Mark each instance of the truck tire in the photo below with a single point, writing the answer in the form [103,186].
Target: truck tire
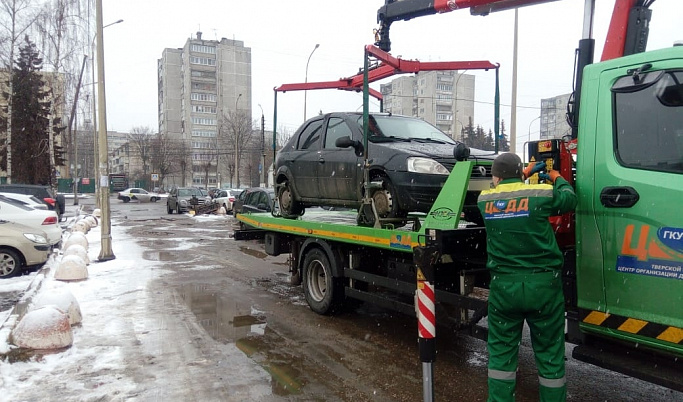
[10,263]
[321,289]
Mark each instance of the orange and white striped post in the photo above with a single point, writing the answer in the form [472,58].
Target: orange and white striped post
[424,259]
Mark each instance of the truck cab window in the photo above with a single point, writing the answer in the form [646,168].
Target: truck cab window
[649,122]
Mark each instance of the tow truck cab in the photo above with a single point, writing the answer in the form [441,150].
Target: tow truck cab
[629,226]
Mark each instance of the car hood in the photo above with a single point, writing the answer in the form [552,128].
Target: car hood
[429,150]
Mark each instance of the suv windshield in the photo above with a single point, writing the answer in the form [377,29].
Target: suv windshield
[189,192]
[387,128]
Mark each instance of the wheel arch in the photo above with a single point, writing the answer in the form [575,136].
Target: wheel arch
[333,254]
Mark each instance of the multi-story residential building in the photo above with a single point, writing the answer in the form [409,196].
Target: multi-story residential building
[554,117]
[200,86]
[443,98]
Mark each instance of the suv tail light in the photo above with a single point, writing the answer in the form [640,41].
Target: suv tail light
[231,199]
[50,201]
[50,220]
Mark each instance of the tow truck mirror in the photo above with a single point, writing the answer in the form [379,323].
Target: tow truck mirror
[461,152]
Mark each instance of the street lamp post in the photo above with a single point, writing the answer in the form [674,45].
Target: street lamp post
[263,148]
[317,45]
[237,143]
[96,155]
[106,252]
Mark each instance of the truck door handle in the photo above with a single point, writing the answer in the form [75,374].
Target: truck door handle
[619,197]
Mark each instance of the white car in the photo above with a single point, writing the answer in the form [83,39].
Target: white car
[138,194]
[226,198]
[21,247]
[27,199]
[47,221]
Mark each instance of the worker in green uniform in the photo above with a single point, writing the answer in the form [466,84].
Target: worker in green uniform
[526,275]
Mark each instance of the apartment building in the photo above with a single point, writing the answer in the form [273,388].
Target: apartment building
[443,98]
[554,117]
[200,85]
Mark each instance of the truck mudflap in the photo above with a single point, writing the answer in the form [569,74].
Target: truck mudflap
[632,361]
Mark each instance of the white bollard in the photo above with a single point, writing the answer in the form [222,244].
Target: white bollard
[77,249]
[97,213]
[221,211]
[60,297]
[71,268]
[92,221]
[81,226]
[43,328]
[76,238]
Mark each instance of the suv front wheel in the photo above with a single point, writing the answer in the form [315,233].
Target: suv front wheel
[289,206]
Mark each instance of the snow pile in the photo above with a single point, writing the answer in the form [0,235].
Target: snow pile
[71,268]
[43,328]
[81,226]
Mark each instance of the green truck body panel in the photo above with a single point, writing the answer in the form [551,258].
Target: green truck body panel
[340,226]
[629,259]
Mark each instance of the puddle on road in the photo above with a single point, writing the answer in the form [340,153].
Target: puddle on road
[163,255]
[253,252]
[228,321]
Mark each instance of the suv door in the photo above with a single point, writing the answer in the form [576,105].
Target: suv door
[338,167]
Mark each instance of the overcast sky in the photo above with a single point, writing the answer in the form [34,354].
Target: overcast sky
[282,34]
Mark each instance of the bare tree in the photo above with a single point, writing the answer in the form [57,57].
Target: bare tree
[238,128]
[14,26]
[161,156]
[60,41]
[140,140]
[181,157]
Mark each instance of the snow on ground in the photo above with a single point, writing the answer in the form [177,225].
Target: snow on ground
[127,346]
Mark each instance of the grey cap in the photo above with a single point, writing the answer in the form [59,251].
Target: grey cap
[507,166]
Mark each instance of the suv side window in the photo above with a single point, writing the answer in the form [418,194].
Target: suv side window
[336,128]
[310,137]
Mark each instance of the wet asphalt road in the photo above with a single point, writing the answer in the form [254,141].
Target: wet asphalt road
[237,295]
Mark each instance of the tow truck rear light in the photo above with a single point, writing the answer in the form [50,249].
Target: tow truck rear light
[50,220]
[50,201]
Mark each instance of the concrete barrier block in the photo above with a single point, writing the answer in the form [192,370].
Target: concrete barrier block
[43,328]
[71,268]
[56,294]
[76,238]
[77,249]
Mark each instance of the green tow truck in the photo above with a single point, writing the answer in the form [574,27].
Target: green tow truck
[623,274]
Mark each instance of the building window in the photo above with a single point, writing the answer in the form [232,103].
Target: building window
[201,145]
[203,86]
[204,133]
[203,49]
[204,109]
[203,97]
[203,74]
[205,121]
[204,61]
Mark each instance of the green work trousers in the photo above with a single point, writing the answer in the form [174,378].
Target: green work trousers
[538,299]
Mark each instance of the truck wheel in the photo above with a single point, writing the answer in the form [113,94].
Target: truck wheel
[289,207]
[10,263]
[321,289]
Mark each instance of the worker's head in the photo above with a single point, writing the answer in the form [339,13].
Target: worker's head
[507,166]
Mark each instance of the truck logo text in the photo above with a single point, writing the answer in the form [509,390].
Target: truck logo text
[671,237]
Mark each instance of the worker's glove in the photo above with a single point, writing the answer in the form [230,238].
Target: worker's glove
[551,176]
[533,168]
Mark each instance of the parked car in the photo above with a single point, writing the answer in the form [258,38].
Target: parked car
[27,199]
[138,194]
[21,247]
[55,202]
[410,160]
[180,198]
[226,198]
[255,199]
[46,221]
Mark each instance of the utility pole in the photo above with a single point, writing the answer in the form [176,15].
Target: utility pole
[236,128]
[106,252]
